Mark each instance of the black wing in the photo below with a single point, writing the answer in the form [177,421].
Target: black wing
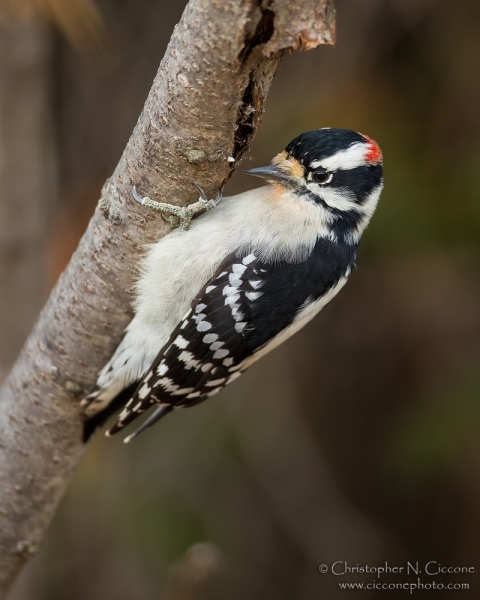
[245,305]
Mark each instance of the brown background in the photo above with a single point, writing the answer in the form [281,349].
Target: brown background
[358,439]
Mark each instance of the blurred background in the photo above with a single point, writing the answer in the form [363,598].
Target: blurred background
[355,441]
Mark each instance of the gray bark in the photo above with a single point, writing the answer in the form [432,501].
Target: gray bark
[205,105]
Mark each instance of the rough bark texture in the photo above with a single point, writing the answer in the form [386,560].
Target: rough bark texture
[204,106]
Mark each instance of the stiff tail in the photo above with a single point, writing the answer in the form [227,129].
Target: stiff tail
[133,409]
[158,414]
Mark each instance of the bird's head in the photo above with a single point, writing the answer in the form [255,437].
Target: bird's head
[338,170]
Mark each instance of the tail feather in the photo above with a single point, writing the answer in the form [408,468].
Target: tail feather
[129,413]
[158,414]
[96,417]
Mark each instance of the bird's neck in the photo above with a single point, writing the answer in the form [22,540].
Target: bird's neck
[346,227]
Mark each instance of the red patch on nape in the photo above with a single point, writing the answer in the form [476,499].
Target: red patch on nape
[374,154]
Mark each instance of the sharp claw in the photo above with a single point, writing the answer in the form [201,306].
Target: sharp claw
[203,196]
[136,196]
[166,219]
[219,197]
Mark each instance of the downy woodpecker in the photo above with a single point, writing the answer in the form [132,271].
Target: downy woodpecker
[212,300]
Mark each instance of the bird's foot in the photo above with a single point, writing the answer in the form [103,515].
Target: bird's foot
[181,215]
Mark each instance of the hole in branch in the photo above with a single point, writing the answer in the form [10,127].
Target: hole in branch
[245,122]
[263,32]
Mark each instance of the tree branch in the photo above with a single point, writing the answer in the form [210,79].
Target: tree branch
[205,105]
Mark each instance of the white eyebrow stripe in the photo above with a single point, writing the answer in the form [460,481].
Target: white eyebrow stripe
[352,157]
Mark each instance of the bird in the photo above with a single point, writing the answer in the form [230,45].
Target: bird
[216,294]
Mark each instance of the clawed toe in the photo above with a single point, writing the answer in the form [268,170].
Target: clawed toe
[219,197]
[203,195]
[138,198]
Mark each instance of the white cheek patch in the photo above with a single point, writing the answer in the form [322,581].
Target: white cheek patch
[338,198]
[352,157]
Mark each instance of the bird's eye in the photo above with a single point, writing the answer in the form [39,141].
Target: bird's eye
[322,176]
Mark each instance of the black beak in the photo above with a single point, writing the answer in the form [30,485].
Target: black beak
[271,173]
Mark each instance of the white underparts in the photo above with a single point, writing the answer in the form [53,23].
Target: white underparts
[269,223]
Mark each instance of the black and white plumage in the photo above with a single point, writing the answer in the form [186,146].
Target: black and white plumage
[245,276]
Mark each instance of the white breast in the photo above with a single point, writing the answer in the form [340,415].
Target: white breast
[269,221]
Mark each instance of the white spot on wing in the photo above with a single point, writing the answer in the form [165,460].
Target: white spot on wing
[253,295]
[180,342]
[229,290]
[204,326]
[239,270]
[236,314]
[234,280]
[239,327]
[124,414]
[220,354]
[249,259]
[215,382]
[162,369]
[167,384]
[144,391]
[210,337]
[182,391]
[188,359]
[232,299]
